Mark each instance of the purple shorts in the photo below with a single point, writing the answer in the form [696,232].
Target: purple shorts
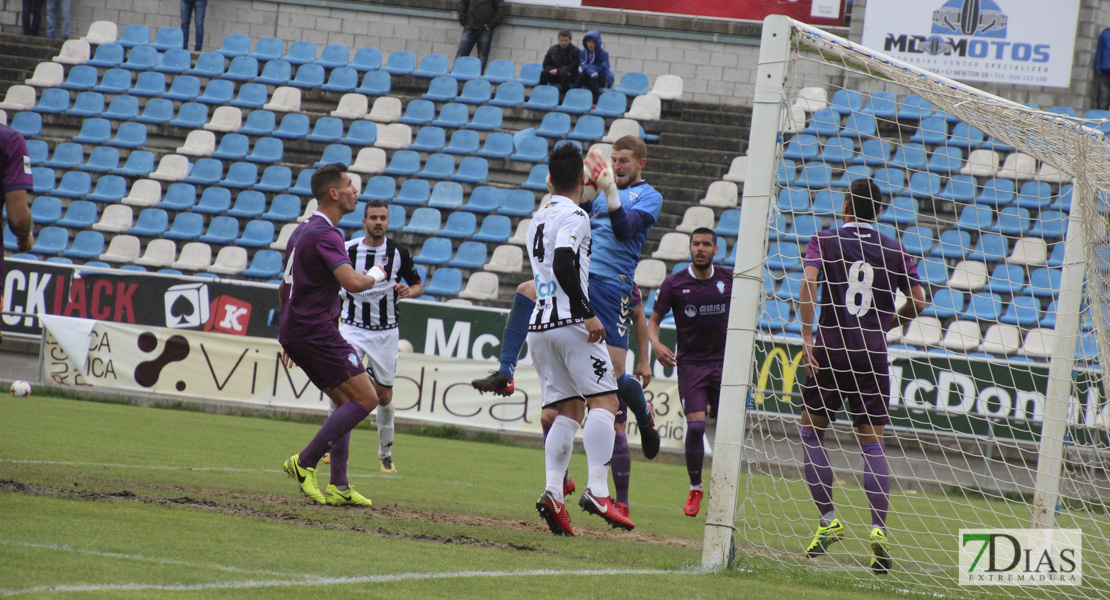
[865,389]
[699,387]
[622,411]
[328,360]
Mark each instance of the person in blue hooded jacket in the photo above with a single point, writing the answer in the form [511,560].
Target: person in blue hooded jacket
[593,65]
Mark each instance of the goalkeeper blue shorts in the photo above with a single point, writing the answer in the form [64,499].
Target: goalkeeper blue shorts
[611,300]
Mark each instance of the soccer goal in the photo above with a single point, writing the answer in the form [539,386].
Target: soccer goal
[998,415]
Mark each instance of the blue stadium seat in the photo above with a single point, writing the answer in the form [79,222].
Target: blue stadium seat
[588,128]
[495,229]
[114,81]
[445,281]
[74,184]
[327,130]
[510,95]
[497,145]
[933,271]
[901,211]
[945,161]
[122,108]
[873,153]
[924,185]
[1006,279]
[460,225]
[294,126]
[484,199]
[80,78]
[859,126]
[86,245]
[1012,221]
[960,188]
[881,105]
[472,169]
[284,208]
[516,203]
[275,72]
[846,101]
[790,290]
[334,153]
[361,134]
[851,174]
[996,192]
[375,83]
[611,104]
[932,131]
[242,68]
[537,179]
[802,228]
[990,248]
[803,147]
[983,306]
[1048,321]
[206,171]
[529,74]
[442,89]
[965,136]
[50,240]
[129,135]
[465,68]
[42,180]
[543,98]
[774,316]
[783,256]
[268,49]
[475,91]
[52,101]
[1034,195]
[915,108]
[218,92]
[249,204]
[37,151]
[276,178]
[310,76]
[259,123]
[824,123]
[235,44]
[909,156]
[107,56]
[90,104]
[341,80]
[1044,282]
[240,175]
[499,71]
[952,243]
[256,234]
[80,214]
[530,149]
[158,111]
[269,150]
[815,176]
[152,222]
[836,150]
[828,203]
[233,146]
[463,141]
[251,95]
[380,187]
[141,59]
[975,218]
[1023,311]
[633,84]
[29,124]
[429,139]
[353,220]
[46,210]
[418,112]
[438,166]
[577,101]
[1050,225]
[945,304]
[452,116]
[424,221]
[367,59]
[414,192]
[303,187]
[997,146]
[266,264]
[1062,202]
[221,230]
[191,115]
[790,200]
[555,125]
[334,56]
[67,155]
[918,240]
[186,226]
[209,64]
[102,159]
[471,254]
[179,197]
[431,66]
[403,163]
[446,195]
[300,52]
[435,251]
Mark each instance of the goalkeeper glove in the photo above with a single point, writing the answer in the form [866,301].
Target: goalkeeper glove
[601,172]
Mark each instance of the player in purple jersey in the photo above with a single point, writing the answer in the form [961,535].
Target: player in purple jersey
[15,179]
[859,271]
[699,297]
[316,267]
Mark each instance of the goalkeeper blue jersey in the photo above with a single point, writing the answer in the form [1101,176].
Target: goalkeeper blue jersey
[613,257]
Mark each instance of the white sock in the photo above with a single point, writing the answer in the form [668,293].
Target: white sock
[597,438]
[385,430]
[696,487]
[557,450]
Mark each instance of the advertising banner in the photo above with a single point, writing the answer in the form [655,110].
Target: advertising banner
[829,13]
[1017,42]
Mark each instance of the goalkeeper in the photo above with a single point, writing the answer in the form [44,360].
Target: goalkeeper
[620,219]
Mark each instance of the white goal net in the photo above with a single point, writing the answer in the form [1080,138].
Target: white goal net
[997,403]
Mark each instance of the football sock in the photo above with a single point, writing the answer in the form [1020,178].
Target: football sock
[557,449]
[339,424]
[876,482]
[385,430]
[340,451]
[695,450]
[630,391]
[597,438]
[819,474]
[516,331]
[621,465]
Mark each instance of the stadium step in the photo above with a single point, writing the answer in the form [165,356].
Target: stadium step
[19,54]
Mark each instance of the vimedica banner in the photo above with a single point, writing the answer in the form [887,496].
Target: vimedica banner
[1017,42]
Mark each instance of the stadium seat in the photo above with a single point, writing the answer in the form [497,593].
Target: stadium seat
[46,210]
[300,52]
[495,229]
[49,74]
[442,89]
[452,116]
[352,106]
[774,316]
[230,260]
[74,184]
[445,281]
[109,188]
[194,256]
[909,156]
[983,306]
[446,195]
[129,135]
[1038,344]
[67,155]
[475,91]
[918,240]
[284,99]
[191,115]
[29,125]
[283,208]
[646,108]
[990,248]
[209,64]
[158,254]
[256,234]
[543,98]
[251,96]
[1001,339]
[266,264]
[932,131]
[276,179]
[375,83]
[577,101]
[152,222]
[1018,166]
[87,104]
[1029,251]
[924,186]
[472,169]
[1006,279]
[836,151]
[107,56]
[294,126]
[116,218]
[283,237]
[217,91]
[53,101]
[965,136]
[429,139]
[818,175]
[268,49]
[873,153]
[233,146]
[1044,282]
[915,108]
[1023,311]
[803,147]
[484,199]
[22,97]
[610,104]
[418,112]
[462,225]
[334,153]
[235,44]
[588,128]
[537,179]
[249,204]
[933,271]
[179,197]
[186,226]
[975,218]
[424,221]
[506,259]
[945,304]
[511,95]
[73,52]
[42,180]
[240,175]
[1012,221]
[981,163]
[1034,195]
[516,203]
[1050,225]
[969,275]
[413,192]
[723,194]
[327,130]
[86,245]
[200,143]
[275,72]
[404,163]
[268,150]
[379,187]
[783,256]
[530,149]
[222,229]
[463,141]
[824,123]
[497,145]
[370,161]
[480,286]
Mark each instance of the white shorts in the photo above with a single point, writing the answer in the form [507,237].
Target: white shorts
[377,348]
[569,366]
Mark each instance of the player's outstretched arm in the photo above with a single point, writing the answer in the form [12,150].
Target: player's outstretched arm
[643,363]
[663,354]
[909,311]
[356,282]
[806,310]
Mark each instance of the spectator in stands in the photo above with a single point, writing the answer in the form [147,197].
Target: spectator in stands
[52,8]
[479,18]
[190,8]
[560,64]
[32,16]
[593,65]
[1102,71]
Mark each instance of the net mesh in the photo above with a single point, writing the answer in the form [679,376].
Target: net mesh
[978,190]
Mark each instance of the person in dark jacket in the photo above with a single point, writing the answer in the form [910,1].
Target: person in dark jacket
[593,65]
[1102,71]
[560,64]
[479,18]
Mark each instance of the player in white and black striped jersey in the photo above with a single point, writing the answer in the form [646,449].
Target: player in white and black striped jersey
[368,320]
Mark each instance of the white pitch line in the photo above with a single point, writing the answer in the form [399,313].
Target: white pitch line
[318,581]
[137,557]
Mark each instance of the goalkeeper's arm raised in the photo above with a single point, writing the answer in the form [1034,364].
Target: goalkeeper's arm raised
[626,223]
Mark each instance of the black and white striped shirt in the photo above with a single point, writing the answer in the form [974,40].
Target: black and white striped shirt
[559,223]
[376,308]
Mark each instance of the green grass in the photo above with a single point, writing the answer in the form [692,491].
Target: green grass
[112,500]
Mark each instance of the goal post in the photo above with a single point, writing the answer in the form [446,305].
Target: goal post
[994,423]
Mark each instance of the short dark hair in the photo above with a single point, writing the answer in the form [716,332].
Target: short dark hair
[703,231]
[327,177]
[375,203]
[633,143]
[865,198]
[564,164]
[564,33]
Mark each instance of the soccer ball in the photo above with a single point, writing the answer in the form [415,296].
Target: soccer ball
[21,389]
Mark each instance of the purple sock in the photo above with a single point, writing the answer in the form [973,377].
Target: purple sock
[340,450]
[339,424]
[695,450]
[876,482]
[819,474]
[621,465]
